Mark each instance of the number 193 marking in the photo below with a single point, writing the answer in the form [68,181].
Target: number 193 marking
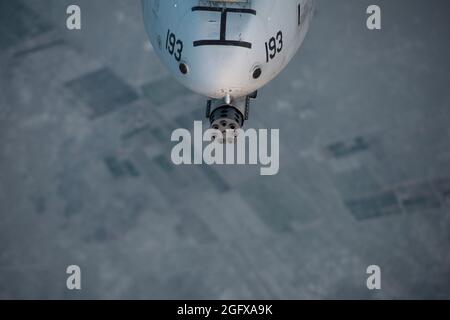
[274,46]
[174,46]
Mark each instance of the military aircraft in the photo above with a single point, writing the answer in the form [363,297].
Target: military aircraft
[226,49]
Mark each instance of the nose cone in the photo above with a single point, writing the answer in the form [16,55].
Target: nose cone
[221,51]
[218,71]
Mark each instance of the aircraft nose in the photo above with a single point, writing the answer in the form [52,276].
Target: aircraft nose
[218,71]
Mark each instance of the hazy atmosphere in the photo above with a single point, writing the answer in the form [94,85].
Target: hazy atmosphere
[86,176]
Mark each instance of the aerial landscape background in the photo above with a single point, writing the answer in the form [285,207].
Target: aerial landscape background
[86,176]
